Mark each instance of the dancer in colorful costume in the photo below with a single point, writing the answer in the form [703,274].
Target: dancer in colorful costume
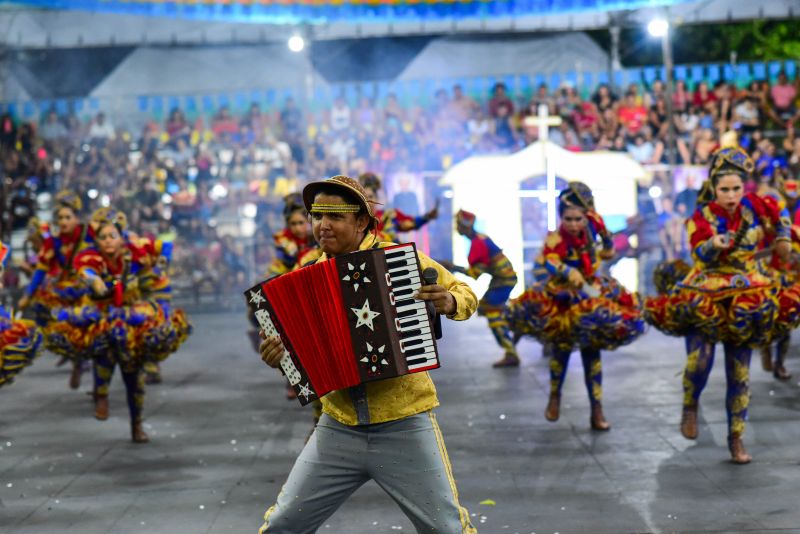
[726,297]
[54,283]
[785,194]
[20,339]
[392,220]
[173,327]
[294,244]
[485,257]
[121,322]
[572,306]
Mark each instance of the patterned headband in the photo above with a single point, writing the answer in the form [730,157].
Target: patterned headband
[335,208]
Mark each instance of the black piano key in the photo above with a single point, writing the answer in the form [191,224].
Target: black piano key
[410,333]
[413,353]
[408,312]
[399,253]
[394,267]
[403,283]
[412,342]
[414,321]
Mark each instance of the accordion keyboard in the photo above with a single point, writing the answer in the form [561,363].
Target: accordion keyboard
[413,324]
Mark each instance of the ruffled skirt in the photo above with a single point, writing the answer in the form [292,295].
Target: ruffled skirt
[567,318]
[145,330]
[729,311]
[20,342]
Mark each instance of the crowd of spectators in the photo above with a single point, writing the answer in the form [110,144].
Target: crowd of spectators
[196,179]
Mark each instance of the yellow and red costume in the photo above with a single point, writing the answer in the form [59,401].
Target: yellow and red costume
[134,318]
[173,327]
[728,296]
[54,282]
[485,257]
[600,315]
[20,339]
[290,252]
[393,221]
[785,195]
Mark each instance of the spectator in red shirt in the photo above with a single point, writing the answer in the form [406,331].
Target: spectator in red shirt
[224,124]
[177,127]
[500,100]
[703,98]
[632,115]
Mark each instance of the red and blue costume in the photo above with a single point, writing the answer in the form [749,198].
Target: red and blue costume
[20,339]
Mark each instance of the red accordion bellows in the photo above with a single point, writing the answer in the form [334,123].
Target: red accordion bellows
[348,320]
[306,289]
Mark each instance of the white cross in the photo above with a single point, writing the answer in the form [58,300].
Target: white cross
[543,120]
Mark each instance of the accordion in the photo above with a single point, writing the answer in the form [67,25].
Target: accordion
[348,320]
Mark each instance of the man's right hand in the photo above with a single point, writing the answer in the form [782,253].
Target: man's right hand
[271,350]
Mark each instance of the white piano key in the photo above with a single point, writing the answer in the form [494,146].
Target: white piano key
[406,279]
[417,305]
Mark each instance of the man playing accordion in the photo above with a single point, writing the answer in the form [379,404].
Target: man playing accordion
[383,430]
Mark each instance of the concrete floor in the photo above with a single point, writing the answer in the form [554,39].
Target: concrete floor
[224,438]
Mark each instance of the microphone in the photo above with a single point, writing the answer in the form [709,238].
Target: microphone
[429,276]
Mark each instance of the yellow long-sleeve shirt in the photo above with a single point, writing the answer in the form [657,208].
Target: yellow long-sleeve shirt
[403,396]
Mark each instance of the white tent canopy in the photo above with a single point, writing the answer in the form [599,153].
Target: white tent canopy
[489,186]
[481,56]
[165,71]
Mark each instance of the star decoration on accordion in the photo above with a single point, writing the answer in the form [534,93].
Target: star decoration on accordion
[365,316]
[257,298]
[356,276]
[305,391]
[374,359]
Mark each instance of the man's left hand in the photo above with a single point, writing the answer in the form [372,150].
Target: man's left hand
[443,300]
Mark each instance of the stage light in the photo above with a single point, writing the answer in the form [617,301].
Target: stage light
[296,43]
[655,191]
[658,27]
[92,193]
[105,201]
[250,210]
[218,192]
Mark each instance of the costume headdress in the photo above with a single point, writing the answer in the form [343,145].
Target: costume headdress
[465,218]
[370,180]
[576,195]
[351,188]
[727,160]
[68,199]
[730,160]
[291,203]
[36,227]
[104,216]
